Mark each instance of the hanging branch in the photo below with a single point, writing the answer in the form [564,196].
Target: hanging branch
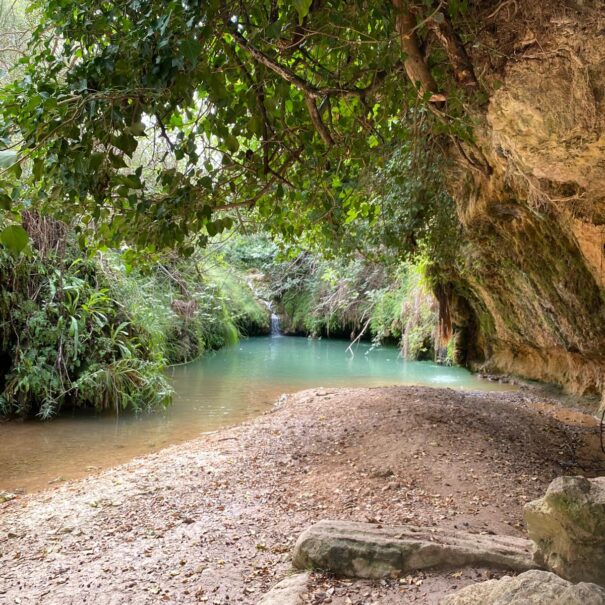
[415,65]
[321,128]
[359,336]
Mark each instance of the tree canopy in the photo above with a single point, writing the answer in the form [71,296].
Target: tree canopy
[155,122]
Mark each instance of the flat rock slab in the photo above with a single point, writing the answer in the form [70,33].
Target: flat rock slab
[288,591]
[365,550]
[530,588]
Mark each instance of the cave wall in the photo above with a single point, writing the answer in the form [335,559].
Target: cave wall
[533,204]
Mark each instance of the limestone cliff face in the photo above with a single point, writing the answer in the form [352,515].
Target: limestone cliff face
[531,298]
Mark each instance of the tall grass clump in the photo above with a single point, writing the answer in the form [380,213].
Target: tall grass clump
[189,305]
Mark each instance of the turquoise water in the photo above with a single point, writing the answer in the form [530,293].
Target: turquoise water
[220,389]
[293,363]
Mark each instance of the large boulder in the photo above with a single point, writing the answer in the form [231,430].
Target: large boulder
[530,588]
[568,528]
[364,550]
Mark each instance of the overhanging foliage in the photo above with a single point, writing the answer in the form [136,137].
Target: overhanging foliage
[148,118]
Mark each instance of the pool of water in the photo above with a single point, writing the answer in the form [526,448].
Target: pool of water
[220,389]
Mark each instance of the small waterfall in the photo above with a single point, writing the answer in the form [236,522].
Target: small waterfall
[275,327]
[275,330]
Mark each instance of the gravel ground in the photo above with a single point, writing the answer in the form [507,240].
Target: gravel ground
[214,520]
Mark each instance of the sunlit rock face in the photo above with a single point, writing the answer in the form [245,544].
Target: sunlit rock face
[529,588]
[568,528]
[532,198]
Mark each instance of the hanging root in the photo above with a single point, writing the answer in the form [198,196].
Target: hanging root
[46,234]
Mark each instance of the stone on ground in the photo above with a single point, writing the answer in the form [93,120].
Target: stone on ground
[288,591]
[364,550]
[568,527]
[530,588]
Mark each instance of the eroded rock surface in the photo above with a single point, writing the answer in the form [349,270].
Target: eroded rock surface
[530,588]
[365,550]
[568,527]
[531,297]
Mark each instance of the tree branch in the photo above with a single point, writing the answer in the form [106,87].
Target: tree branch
[321,128]
[415,66]
[280,70]
[250,202]
[308,89]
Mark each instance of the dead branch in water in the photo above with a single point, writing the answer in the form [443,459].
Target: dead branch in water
[358,338]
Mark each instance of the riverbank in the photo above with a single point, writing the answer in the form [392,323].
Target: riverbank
[213,520]
[225,388]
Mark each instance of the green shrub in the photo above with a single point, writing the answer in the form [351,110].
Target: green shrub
[67,341]
[407,312]
[347,298]
[190,305]
[254,251]
[94,332]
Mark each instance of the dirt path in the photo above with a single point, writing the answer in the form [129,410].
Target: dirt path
[213,520]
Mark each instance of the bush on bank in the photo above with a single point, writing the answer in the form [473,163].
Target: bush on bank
[78,331]
[358,298]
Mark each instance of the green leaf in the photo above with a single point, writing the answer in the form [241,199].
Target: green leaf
[38,169]
[96,159]
[206,183]
[232,143]
[126,143]
[14,237]
[191,50]
[7,158]
[212,228]
[302,8]
[5,201]
[117,161]
[132,181]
